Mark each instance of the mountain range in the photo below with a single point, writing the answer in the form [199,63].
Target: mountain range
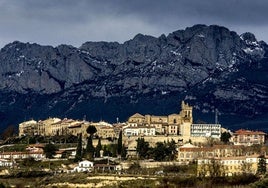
[210,67]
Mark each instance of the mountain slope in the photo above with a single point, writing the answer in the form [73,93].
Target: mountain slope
[209,66]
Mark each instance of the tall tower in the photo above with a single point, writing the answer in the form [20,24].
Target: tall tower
[186,112]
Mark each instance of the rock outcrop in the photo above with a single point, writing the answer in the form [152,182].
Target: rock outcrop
[210,66]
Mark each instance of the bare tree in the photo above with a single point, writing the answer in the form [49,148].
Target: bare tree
[246,167]
[211,168]
[8,132]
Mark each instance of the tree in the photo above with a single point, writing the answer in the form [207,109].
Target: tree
[119,144]
[261,165]
[159,152]
[124,152]
[246,167]
[215,168]
[113,149]
[78,155]
[171,150]
[50,150]
[91,130]
[89,148]
[142,148]
[98,148]
[225,137]
[8,132]
[106,151]
[165,151]
[212,168]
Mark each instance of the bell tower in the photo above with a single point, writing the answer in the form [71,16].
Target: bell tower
[186,112]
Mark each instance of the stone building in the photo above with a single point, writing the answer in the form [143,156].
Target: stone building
[228,166]
[189,153]
[165,125]
[53,127]
[247,137]
[28,128]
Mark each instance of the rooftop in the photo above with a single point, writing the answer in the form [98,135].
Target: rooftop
[248,132]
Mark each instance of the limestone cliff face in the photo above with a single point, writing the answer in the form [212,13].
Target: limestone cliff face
[209,66]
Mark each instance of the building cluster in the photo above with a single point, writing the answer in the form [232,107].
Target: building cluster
[229,159]
[34,151]
[63,127]
[180,124]
[153,128]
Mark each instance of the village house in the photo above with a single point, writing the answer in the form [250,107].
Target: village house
[105,130]
[139,131]
[28,128]
[247,137]
[189,153]
[37,155]
[84,166]
[229,166]
[107,167]
[6,163]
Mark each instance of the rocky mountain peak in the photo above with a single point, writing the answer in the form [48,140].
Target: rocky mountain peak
[208,65]
[248,37]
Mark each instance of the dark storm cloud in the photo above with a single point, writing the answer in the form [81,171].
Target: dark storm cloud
[73,22]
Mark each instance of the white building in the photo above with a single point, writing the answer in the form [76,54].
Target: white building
[139,131]
[84,166]
[6,163]
[206,130]
[38,155]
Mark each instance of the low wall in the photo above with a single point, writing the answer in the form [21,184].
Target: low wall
[131,140]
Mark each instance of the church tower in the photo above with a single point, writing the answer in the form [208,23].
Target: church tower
[186,112]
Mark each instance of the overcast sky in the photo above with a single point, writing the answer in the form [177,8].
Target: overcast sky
[73,22]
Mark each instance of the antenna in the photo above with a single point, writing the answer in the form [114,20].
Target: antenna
[216,116]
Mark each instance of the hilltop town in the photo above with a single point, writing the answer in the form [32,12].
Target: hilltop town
[143,145]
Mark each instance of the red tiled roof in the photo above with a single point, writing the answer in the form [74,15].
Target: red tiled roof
[206,149]
[246,132]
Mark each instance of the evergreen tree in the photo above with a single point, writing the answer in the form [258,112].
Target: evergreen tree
[171,150]
[105,151]
[159,152]
[124,153]
[225,137]
[98,148]
[50,150]
[78,155]
[90,148]
[142,148]
[91,130]
[261,165]
[113,149]
[119,144]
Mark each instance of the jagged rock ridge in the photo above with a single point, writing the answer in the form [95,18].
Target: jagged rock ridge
[209,66]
